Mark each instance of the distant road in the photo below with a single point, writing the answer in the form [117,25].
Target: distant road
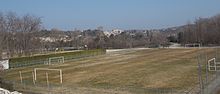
[175,45]
[122,50]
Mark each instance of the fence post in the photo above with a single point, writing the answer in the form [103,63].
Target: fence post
[20,77]
[200,74]
[48,83]
[33,78]
[47,80]
[206,63]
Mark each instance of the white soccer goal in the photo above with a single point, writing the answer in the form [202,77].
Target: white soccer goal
[46,69]
[193,45]
[213,65]
[56,60]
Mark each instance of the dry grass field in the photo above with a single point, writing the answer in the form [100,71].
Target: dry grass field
[128,71]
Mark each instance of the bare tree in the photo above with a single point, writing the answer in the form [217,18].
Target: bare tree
[158,39]
[204,30]
[17,33]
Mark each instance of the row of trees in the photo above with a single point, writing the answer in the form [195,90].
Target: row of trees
[17,34]
[97,39]
[204,30]
[23,35]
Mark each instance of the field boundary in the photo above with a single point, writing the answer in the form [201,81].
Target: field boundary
[44,59]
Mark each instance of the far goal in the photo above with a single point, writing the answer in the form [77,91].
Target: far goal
[56,60]
[193,45]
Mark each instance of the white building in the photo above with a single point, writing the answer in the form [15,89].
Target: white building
[106,33]
[117,31]
[113,32]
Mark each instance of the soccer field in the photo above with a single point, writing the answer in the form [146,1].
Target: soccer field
[127,71]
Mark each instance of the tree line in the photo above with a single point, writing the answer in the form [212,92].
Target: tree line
[17,34]
[24,36]
[95,39]
[205,31]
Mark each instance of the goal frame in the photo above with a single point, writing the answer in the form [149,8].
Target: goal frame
[194,45]
[59,58]
[212,66]
[46,69]
[215,66]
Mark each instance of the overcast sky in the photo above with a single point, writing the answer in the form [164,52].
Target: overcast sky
[111,14]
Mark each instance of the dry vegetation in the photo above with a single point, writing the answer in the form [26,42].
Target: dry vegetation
[128,71]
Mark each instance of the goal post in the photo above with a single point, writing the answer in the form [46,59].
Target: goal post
[46,69]
[55,60]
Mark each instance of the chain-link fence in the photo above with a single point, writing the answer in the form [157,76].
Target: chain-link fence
[44,59]
[28,88]
[208,78]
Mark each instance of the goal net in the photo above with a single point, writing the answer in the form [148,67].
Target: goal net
[56,60]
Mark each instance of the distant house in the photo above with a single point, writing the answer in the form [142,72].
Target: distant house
[117,31]
[113,32]
[54,39]
[47,39]
[107,33]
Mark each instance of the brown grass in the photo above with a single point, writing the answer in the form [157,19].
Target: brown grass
[149,68]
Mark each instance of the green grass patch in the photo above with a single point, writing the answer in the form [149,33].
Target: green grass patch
[41,59]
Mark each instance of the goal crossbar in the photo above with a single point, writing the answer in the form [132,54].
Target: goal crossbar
[46,69]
